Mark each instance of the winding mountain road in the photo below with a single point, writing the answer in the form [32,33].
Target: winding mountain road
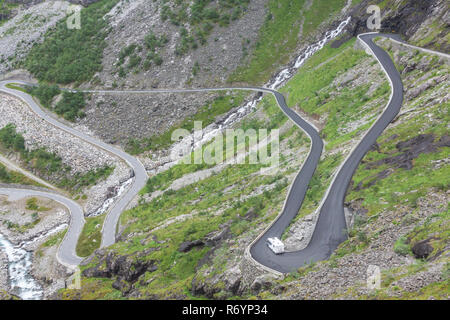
[139,181]
[330,229]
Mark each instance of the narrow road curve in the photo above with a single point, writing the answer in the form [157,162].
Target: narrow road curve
[330,229]
[67,249]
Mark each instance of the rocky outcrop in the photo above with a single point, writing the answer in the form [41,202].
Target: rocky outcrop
[409,150]
[422,249]
[411,19]
[264,282]
[230,283]
[189,245]
[199,287]
[125,269]
[405,20]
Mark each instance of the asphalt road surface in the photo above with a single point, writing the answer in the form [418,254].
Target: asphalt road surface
[66,252]
[330,229]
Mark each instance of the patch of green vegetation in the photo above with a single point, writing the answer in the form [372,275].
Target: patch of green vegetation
[15,86]
[32,204]
[5,10]
[44,92]
[126,52]
[158,210]
[90,178]
[8,176]
[162,180]
[319,12]
[279,36]
[152,41]
[55,239]
[23,227]
[72,55]
[207,114]
[136,54]
[92,289]
[71,105]
[355,2]
[401,246]
[308,88]
[10,139]
[277,39]
[91,236]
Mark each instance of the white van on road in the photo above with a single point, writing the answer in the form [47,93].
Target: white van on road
[276,245]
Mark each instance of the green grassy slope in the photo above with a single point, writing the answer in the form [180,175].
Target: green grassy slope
[401,188]
[280,35]
[208,207]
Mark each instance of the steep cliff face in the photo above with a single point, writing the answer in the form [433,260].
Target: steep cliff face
[426,23]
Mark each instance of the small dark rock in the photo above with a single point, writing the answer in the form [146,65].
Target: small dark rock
[188,245]
[111,192]
[422,249]
[261,283]
[121,285]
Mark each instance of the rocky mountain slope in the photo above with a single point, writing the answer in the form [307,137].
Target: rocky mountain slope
[397,208]
[148,44]
[187,234]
